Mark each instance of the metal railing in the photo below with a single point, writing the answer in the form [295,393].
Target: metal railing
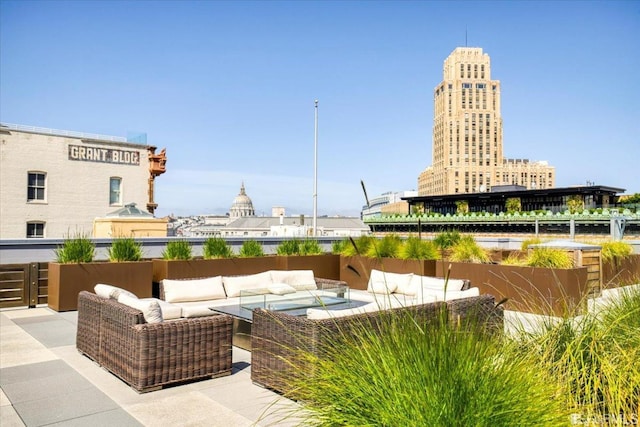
[58,132]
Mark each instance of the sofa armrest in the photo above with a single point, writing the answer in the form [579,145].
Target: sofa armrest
[89,324]
[149,356]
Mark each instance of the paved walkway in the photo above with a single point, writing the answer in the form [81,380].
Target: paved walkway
[45,381]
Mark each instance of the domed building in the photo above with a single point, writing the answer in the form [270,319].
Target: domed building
[242,205]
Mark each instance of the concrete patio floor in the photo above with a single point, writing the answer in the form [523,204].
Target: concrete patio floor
[45,381]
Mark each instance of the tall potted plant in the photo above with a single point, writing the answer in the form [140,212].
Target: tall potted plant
[76,270]
[307,254]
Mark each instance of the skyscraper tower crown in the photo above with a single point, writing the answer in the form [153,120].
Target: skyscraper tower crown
[467,152]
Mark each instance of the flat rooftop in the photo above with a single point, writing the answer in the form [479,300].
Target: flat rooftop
[44,380]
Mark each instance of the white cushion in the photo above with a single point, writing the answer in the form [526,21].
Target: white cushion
[150,309]
[385,282]
[110,291]
[197,310]
[281,289]
[318,313]
[169,311]
[432,283]
[193,290]
[440,295]
[301,280]
[234,284]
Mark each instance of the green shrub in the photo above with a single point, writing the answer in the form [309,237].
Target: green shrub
[251,248]
[75,249]
[549,258]
[337,247]
[416,248]
[406,374]
[216,247]
[387,247]
[125,249]
[359,246]
[614,251]
[310,247]
[178,250]
[447,239]
[289,247]
[468,250]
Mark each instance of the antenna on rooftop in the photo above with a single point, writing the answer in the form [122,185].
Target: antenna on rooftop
[465,37]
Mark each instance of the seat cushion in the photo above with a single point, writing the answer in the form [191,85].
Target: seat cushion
[169,311]
[301,280]
[193,290]
[320,313]
[233,285]
[383,282]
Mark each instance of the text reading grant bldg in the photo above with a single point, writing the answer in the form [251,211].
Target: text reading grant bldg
[467,134]
[56,183]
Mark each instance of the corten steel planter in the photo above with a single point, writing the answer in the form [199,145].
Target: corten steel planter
[528,289]
[621,272]
[195,268]
[67,280]
[355,270]
[326,266]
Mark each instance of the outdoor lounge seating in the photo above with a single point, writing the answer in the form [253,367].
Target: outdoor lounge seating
[277,338]
[149,356]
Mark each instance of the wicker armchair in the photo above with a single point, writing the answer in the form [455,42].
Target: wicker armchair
[278,338]
[150,356]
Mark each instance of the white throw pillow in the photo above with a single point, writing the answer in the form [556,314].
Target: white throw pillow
[110,291]
[150,309]
[301,280]
[234,284]
[281,289]
[388,282]
[193,290]
[169,311]
[318,313]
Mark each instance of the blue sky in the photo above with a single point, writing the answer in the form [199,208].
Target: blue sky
[229,88]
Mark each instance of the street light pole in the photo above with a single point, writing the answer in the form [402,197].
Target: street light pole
[315,174]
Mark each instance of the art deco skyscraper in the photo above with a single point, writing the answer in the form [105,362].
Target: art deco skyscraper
[467,133]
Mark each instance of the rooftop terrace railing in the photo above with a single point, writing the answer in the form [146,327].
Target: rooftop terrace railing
[58,132]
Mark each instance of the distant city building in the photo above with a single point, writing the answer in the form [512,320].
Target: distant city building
[387,203]
[468,147]
[129,221]
[54,183]
[242,205]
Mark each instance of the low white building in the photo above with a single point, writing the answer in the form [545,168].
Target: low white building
[54,183]
[377,204]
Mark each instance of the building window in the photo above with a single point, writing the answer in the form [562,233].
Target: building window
[36,186]
[115,191]
[35,230]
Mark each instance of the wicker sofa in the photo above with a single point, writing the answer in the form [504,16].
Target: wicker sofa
[149,356]
[278,338]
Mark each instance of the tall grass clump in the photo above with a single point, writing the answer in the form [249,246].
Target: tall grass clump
[125,249]
[595,357]
[447,239]
[337,246]
[615,251]
[216,247]
[310,247]
[468,250]
[549,258]
[532,241]
[387,247]
[75,249]
[251,248]
[416,248]
[409,374]
[178,250]
[359,246]
[289,247]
